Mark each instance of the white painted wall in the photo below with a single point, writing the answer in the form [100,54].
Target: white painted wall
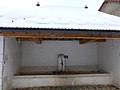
[106,55]
[45,54]
[109,58]
[12,61]
[1,60]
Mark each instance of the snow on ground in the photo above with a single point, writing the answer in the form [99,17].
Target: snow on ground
[60,17]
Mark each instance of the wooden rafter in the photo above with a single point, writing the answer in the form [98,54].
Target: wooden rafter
[24,39]
[85,41]
[37,40]
[100,40]
[60,35]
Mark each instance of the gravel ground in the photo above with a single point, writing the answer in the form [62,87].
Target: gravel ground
[87,87]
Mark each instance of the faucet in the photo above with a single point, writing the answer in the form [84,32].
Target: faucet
[61,62]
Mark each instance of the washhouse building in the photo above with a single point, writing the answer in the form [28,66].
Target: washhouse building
[59,46]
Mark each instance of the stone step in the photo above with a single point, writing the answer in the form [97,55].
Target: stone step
[86,87]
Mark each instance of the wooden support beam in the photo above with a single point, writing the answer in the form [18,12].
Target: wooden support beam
[37,40]
[23,39]
[60,35]
[100,40]
[85,41]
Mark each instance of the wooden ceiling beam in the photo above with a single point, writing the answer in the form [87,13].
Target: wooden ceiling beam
[100,40]
[23,39]
[37,40]
[85,41]
[59,36]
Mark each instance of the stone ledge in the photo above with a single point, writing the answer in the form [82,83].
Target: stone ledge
[61,80]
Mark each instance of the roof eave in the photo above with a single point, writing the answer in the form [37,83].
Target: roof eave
[106,1]
[52,33]
[57,30]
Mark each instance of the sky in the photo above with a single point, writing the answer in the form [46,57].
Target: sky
[12,5]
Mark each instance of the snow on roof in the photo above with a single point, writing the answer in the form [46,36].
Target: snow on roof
[60,18]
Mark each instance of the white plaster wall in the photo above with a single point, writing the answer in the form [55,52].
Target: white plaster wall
[12,61]
[109,58]
[45,54]
[1,60]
